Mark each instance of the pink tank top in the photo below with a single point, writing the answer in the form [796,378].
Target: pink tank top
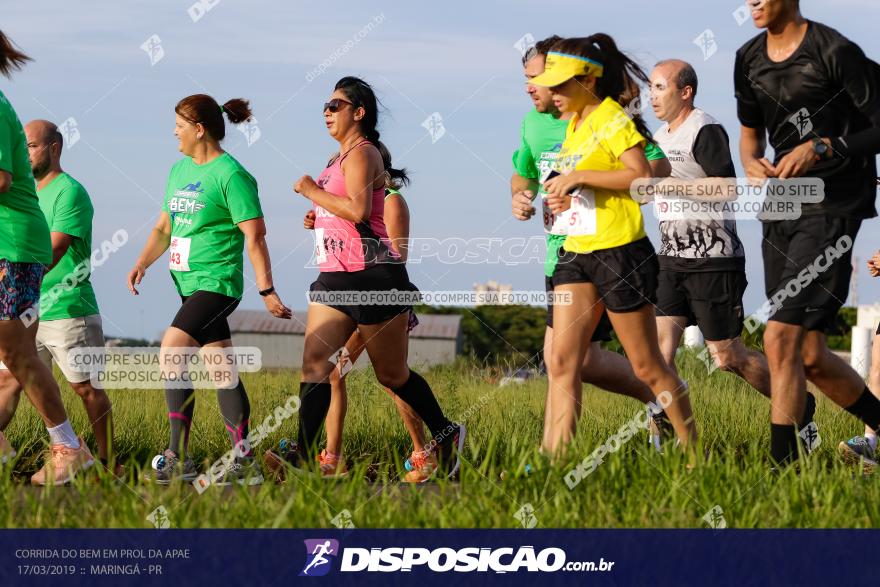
[343,245]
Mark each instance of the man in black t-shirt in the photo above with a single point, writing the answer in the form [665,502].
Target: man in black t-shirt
[817,96]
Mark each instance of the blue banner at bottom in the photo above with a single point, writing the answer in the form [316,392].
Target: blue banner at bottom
[279,557]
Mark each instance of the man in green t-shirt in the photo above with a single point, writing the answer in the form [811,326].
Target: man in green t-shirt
[69,317]
[542,134]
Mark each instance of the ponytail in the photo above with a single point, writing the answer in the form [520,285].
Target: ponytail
[397,178]
[11,59]
[237,110]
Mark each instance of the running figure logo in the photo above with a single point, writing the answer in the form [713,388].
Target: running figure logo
[153,48]
[317,553]
[801,119]
[706,42]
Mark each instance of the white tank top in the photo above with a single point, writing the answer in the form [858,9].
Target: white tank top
[692,241]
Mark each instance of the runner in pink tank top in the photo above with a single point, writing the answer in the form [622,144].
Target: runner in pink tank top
[340,244]
[359,267]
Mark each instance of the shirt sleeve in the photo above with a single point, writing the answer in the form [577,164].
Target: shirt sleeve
[653,152]
[625,138]
[7,145]
[242,197]
[72,213]
[747,108]
[523,159]
[859,77]
[712,151]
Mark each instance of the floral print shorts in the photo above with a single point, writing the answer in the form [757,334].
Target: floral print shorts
[19,288]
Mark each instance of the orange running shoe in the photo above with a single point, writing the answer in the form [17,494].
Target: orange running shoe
[424,467]
[63,463]
[331,465]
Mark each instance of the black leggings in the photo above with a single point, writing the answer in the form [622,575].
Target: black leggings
[203,316]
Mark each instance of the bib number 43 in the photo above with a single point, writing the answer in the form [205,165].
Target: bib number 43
[178,258]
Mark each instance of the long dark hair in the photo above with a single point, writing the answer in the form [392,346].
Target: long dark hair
[621,75]
[361,95]
[202,108]
[11,59]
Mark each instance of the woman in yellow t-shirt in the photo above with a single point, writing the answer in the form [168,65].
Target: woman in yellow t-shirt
[607,261]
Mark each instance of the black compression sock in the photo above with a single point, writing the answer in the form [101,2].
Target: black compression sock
[236,411]
[866,409]
[809,411]
[314,404]
[181,404]
[783,443]
[417,393]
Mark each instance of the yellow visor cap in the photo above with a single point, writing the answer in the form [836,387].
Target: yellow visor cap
[561,67]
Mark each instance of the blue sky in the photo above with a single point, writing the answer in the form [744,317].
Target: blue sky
[453,58]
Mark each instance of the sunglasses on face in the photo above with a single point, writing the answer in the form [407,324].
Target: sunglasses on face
[335,105]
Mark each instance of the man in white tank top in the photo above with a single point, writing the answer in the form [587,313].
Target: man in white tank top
[702,262]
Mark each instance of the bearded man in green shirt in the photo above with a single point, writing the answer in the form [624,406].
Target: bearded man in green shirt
[69,317]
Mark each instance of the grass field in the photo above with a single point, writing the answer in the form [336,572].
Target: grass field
[634,487]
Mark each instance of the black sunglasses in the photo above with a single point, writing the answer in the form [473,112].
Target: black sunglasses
[335,104]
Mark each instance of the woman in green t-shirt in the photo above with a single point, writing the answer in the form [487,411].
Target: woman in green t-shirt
[25,257]
[211,212]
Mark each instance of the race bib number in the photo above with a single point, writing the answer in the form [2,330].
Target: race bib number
[320,253]
[578,220]
[178,259]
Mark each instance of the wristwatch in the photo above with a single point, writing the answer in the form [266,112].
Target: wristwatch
[266,292]
[820,148]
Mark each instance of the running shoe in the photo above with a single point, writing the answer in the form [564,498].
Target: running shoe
[331,466]
[7,453]
[287,456]
[168,468]
[661,430]
[244,471]
[62,464]
[424,467]
[858,450]
[408,463]
[443,457]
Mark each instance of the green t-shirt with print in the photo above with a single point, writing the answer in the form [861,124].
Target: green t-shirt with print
[24,234]
[206,203]
[67,291]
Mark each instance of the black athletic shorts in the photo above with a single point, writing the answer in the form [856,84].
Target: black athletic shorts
[381,278]
[625,276]
[203,316]
[603,328]
[807,269]
[710,299]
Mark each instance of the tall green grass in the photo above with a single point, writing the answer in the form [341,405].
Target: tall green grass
[634,487]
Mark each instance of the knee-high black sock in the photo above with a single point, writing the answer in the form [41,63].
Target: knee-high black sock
[181,404]
[417,393]
[314,403]
[866,409]
[236,411]
[783,443]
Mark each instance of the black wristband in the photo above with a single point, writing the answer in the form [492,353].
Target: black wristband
[266,292]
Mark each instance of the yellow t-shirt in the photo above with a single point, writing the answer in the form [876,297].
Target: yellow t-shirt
[605,218]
